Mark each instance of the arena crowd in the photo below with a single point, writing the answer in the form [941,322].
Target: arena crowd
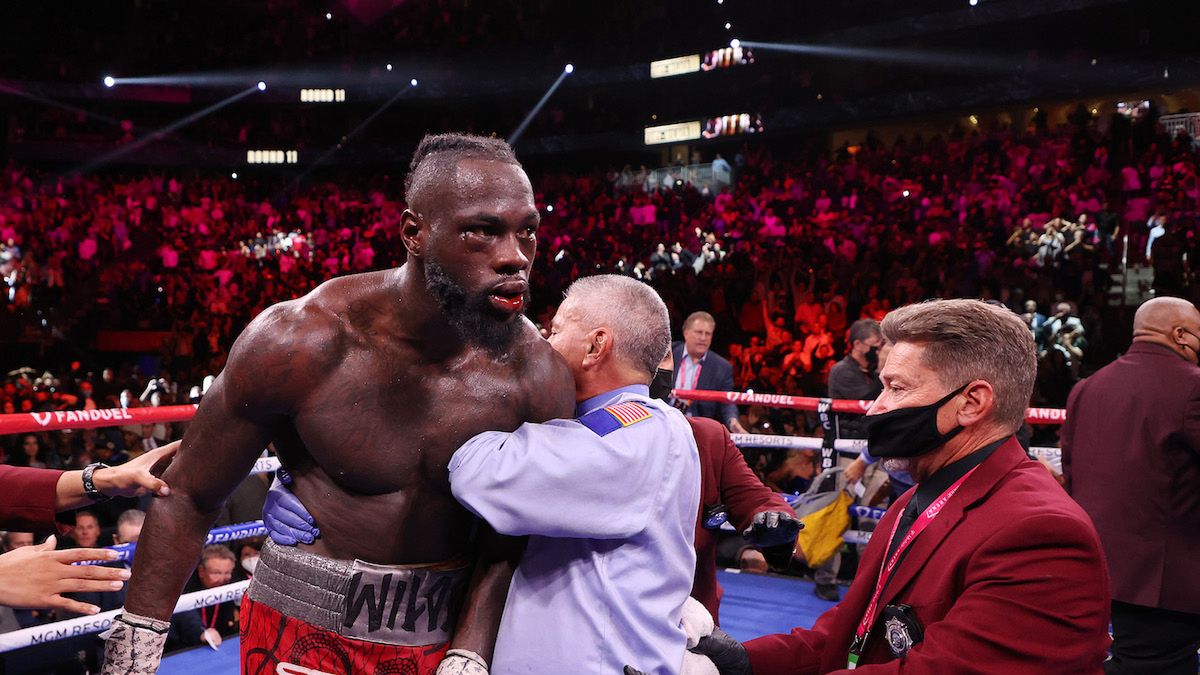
[802,244]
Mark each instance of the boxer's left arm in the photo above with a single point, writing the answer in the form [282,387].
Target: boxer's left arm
[553,396]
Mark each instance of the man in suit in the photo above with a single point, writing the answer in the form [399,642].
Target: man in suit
[854,378]
[990,566]
[697,367]
[1131,458]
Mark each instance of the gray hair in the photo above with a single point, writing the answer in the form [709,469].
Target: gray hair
[967,340]
[131,517]
[216,551]
[632,311]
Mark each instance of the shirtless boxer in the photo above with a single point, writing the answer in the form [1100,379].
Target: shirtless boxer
[367,386]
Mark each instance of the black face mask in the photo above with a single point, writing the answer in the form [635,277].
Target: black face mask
[661,385]
[909,432]
[872,357]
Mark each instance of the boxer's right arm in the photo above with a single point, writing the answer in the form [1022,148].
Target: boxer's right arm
[268,367]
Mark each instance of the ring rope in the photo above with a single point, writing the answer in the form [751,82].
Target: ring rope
[809,403]
[218,535]
[85,625]
[20,423]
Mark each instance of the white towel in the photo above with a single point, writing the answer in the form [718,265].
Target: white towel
[697,623]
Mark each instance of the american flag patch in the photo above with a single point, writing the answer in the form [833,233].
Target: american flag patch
[629,412]
[604,421]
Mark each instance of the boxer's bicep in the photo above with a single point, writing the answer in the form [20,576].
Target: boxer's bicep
[241,411]
[218,450]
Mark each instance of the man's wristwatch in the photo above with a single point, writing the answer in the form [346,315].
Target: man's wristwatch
[89,485]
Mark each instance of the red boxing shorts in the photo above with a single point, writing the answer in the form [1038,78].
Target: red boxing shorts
[273,644]
[305,614]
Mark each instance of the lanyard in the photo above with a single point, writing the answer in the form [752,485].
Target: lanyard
[216,610]
[683,373]
[887,569]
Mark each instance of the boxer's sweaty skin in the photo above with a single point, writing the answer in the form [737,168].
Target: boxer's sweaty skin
[367,390]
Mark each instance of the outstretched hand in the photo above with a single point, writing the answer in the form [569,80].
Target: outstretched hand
[138,476]
[38,576]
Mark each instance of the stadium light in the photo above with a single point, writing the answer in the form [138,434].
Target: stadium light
[389,67]
[233,175]
[728,25]
[262,86]
[972,2]
[328,16]
[735,43]
[109,81]
[412,82]
[164,132]
[569,69]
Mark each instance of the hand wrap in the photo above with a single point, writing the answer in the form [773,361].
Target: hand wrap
[135,645]
[462,662]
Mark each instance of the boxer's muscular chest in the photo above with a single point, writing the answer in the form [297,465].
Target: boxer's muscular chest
[386,421]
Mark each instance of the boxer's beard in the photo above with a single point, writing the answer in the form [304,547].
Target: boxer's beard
[471,315]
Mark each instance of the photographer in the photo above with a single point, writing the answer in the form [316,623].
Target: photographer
[1062,321]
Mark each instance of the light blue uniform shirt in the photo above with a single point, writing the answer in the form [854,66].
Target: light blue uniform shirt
[611,522]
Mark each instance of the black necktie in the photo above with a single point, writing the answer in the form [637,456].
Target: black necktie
[906,521]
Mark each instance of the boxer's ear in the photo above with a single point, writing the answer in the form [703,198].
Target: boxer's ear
[413,231]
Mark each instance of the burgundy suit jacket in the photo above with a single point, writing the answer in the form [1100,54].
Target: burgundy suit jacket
[1009,578]
[1131,456]
[27,499]
[725,479]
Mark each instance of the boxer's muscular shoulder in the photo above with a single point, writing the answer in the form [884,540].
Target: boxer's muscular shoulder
[286,350]
[548,381]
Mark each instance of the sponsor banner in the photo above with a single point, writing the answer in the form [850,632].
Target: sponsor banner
[266,465]
[85,419]
[808,403]
[218,535]
[223,535]
[860,511]
[124,554]
[1051,455]
[845,446]
[1045,416]
[86,625]
[766,441]
[856,537]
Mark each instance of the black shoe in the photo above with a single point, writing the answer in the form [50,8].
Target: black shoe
[827,592]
